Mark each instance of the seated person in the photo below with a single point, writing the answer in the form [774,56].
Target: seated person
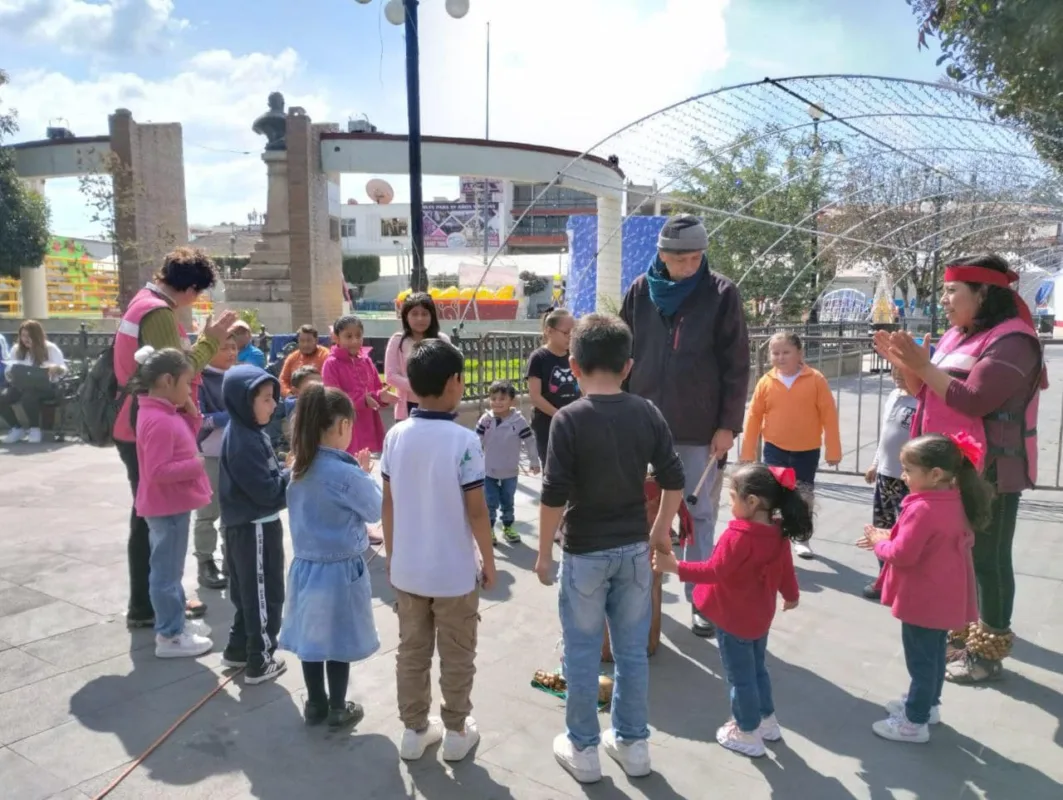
[308,354]
[246,353]
[32,369]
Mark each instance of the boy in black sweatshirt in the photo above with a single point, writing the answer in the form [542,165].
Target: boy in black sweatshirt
[252,489]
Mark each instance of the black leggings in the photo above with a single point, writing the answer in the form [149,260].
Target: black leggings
[139,547]
[992,563]
[314,677]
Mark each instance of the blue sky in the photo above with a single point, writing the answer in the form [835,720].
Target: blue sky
[564,72]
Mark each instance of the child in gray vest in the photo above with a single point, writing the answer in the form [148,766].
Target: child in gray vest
[504,431]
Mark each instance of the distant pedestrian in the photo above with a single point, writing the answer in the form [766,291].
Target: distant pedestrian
[247,353]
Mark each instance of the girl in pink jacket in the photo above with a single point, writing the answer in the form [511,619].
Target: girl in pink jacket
[350,368]
[172,484]
[928,577]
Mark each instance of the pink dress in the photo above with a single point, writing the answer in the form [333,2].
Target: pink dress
[395,371]
[358,378]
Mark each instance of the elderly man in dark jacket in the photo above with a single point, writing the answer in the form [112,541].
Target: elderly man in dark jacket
[691,354]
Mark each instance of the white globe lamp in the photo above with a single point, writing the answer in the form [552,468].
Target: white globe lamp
[457,8]
[395,12]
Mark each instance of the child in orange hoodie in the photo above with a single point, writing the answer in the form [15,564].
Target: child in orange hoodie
[793,411]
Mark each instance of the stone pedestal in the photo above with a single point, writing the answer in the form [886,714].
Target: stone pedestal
[271,259]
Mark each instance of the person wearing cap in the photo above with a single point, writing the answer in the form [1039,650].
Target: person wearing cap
[983,379]
[247,353]
[691,354]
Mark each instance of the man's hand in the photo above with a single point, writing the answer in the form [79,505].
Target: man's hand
[544,568]
[722,442]
[789,605]
[871,474]
[661,540]
[219,330]
[833,463]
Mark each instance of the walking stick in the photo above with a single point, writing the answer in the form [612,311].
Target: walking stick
[710,469]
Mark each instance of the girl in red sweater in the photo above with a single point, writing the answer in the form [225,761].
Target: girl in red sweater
[928,579]
[737,587]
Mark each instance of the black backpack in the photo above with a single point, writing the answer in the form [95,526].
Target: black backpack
[99,400]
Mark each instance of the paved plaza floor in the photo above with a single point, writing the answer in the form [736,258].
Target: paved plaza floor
[81,697]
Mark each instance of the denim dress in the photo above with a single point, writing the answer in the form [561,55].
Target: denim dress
[328,615]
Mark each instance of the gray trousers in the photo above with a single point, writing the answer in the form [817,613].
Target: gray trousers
[699,548]
[204,532]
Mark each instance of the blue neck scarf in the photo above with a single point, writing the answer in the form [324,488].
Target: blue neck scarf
[667,294]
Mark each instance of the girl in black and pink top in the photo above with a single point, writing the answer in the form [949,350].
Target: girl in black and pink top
[551,385]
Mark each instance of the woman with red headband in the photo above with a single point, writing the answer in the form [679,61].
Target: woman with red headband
[983,380]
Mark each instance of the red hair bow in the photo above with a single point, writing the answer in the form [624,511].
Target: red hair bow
[785,476]
[972,449]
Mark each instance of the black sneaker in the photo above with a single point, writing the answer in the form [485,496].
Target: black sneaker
[700,626]
[350,714]
[269,671]
[315,714]
[134,620]
[209,575]
[233,659]
[871,593]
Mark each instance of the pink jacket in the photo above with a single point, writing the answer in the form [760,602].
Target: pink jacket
[395,371]
[172,478]
[929,576]
[358,378]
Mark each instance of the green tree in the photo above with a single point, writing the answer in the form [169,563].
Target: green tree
[361,270]
[775,182]
[1009,49]
[24,215]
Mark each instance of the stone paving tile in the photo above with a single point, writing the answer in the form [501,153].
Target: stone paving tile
[24,780]
[16,599]
[88,645]
[39,623]
[18,669]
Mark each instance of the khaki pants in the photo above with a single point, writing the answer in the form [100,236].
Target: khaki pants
[426,623]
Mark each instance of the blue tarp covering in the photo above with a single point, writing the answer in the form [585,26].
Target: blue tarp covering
[639,247]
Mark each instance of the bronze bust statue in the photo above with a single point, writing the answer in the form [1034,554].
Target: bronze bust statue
[273,124]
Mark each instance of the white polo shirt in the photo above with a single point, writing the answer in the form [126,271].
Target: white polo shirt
[431,461]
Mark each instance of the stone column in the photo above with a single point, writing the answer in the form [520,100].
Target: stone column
[607,287]
[271,259]
[34,278]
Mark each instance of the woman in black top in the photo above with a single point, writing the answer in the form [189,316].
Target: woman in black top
[551,384]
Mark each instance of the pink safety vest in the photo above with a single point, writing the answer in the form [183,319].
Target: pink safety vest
[957,356]
[126,344]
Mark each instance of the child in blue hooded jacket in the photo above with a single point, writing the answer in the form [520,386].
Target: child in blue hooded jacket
[252,489]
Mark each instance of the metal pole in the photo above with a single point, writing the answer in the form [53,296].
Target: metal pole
[934,262]
[813,314]
[487,135]
[418,273]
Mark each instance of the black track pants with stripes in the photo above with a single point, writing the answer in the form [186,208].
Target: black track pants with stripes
[254,559]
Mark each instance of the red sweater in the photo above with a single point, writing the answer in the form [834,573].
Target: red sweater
[737,586]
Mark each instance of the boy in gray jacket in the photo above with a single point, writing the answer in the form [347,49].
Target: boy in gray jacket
[504,431]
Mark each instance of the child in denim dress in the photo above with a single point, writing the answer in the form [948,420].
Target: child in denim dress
[328,621]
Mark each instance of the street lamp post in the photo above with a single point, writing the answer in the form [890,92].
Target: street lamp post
[404,12]
[816,113]
[937,206]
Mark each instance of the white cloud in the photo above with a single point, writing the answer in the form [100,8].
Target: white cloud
[108,27]
[216,96]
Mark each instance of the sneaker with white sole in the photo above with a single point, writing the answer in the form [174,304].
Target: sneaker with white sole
[414,743]
[34,436]
[583,765]
[634,757]
[899,729]
[803,550]
[896,708]
[769,729]
[13,436]
[457,745]
[198,627]
[734,738]
[183,645]
[270,671]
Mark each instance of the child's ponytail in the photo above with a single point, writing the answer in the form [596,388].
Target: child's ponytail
[316,410]
[960,457]
[977,495]
[777,487]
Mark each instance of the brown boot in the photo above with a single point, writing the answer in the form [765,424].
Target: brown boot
[985,652]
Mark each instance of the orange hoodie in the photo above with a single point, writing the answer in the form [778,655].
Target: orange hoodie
[795,419]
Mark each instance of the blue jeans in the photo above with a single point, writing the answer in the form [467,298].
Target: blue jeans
[803,462]
[611,585]
[168,537]
[500,493]
[743,661]
[695,457]
[924,653]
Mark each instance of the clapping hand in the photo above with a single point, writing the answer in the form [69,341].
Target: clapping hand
[871,537]
[371,403]
[219,329]
[364,459]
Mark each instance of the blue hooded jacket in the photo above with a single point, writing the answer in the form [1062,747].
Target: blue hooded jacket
[251,484]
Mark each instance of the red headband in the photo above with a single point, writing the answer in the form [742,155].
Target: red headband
[991,277]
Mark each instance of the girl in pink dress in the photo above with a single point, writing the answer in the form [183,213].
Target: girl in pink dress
[350,367]
[419,321]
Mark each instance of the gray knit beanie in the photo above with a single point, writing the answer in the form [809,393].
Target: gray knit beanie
[683,234]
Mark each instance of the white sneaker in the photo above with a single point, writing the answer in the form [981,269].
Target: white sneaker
[13,436]
[896,709]
[34,436]
[634,757]
[769,729]
[184,645]
[899,729]
[414,743]
[583,765]
[803,550]
[457,745]
[733,738]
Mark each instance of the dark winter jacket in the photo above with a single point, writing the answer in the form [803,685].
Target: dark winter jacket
[694,365]
[251,483]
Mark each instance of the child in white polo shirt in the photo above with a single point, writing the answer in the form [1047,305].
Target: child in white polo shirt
[438,538]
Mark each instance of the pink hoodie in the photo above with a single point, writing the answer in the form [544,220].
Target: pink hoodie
[358,378]
[929,576]
[172,478]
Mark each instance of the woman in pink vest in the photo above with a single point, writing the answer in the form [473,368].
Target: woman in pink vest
[151,319]
[983,380]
